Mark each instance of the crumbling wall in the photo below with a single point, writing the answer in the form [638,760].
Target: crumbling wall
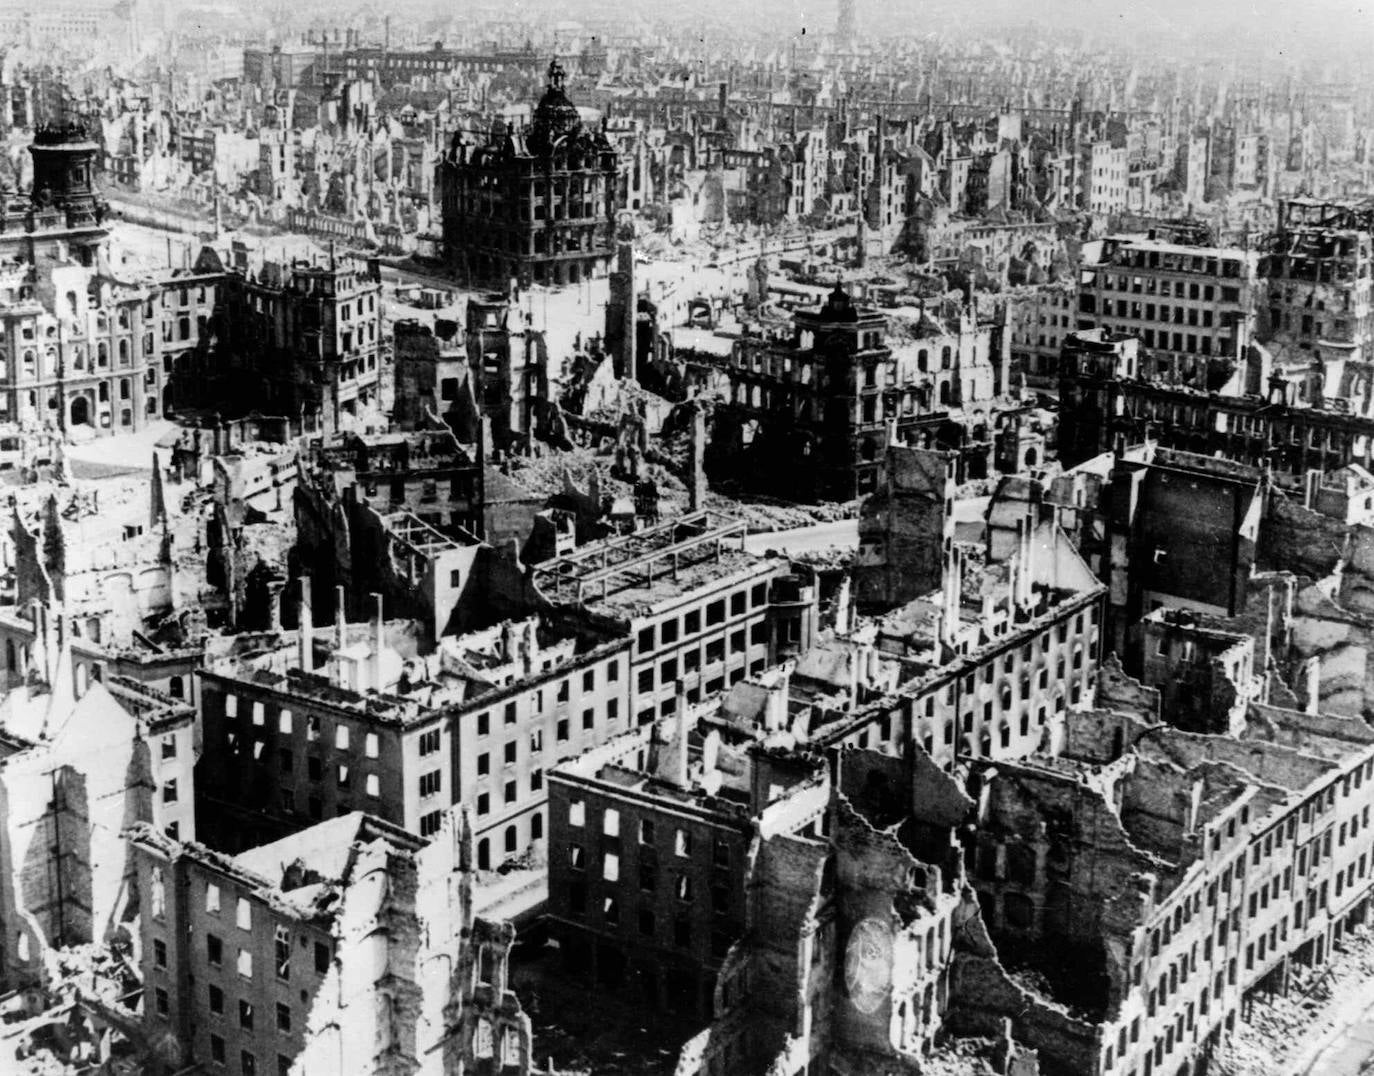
[783,962]
[1102,736]
[983,997]
[903,529]
[1340,640]
[1117,690]
[1061,882]
[68,802]
[1296,539]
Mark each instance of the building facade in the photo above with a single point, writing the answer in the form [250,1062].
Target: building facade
[535,205]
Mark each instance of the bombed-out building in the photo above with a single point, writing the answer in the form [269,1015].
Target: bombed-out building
[400,514]
[309,724]
[300,334]
[350,946]
[649,840]
[535,205]
[819,402]
[79,762]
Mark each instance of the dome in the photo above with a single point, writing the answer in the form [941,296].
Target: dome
[839,307]
[555,116]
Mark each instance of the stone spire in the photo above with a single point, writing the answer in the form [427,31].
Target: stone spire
[157,502]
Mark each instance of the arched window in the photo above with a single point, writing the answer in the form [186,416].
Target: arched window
[512,838]
[484,854]
[80,680]
[482,1045]
[536,826]
[176,688]
[9,655]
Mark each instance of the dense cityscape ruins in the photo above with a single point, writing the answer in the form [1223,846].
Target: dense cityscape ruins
[605,540]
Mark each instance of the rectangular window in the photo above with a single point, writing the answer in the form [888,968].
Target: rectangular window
[214,950]
[243,915]
[283,1017]
[212,898]
[429,741]
[282,946]
[430,783]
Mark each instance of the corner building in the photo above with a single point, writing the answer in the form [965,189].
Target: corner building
[536,205]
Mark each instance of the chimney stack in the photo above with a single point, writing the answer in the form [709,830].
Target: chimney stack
[340,620]
[683,726]
[378,642]
[274,589]
[306,634]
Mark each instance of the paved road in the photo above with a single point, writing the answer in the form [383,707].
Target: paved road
[1350,1054]
[817,537]
[968,520]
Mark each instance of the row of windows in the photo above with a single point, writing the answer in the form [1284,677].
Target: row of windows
[511,713]
[666,632]
[716,650]
[314,730]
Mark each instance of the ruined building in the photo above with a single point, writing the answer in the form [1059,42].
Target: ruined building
[1318,264]
[535,205]
[87,346]
[352,946]
[300,336]
[1104,405]
[400,514]
[696,607]
[1192,308]
[309,724]
[79,762]
[649,839]
[820,404]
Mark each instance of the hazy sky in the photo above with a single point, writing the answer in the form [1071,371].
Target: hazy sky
[1273,25]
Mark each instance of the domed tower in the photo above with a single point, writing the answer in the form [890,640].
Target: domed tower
[537,205]
[555,116]
[64,169]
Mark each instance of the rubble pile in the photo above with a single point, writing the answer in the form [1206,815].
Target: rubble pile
[1283,1031]
[960,1057]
